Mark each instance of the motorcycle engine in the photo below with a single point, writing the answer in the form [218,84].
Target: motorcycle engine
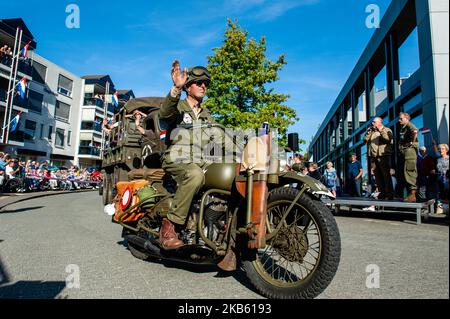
[215,216]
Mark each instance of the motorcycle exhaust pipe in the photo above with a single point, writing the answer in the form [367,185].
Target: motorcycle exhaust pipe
[145,244]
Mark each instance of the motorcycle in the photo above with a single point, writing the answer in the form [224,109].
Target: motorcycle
[273,223]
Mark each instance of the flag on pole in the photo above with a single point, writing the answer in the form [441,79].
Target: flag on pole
[21,87]
[14,122]
[115,99]
[425,130]
[162,135]
[24,51]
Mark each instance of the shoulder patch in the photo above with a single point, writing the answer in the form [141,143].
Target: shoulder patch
[187,119]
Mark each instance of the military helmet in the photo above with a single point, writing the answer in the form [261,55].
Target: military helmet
[197,73]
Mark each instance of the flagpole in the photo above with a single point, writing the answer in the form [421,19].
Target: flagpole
[7,125]
[15,64]
[105,113]
[5,116]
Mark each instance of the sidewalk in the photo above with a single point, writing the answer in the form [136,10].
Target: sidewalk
[11,198]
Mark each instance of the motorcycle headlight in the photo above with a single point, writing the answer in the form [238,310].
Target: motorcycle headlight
[283,160]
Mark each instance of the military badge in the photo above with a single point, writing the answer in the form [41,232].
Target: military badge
[187,119]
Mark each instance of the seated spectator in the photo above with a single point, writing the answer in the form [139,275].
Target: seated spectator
[12,169]
[2,168]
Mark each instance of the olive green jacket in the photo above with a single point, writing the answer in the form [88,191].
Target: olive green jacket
[182,121]
[408,137]
[379,143]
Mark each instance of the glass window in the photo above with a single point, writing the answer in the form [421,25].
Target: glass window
[50,132]
[62,111]
[35,101]
[69,135]
[39,72]
[412,102]
[408,55]
[59,138]
[65,85]
[41,135]
[30,130]
[418,122]
[361,102]
[380,80]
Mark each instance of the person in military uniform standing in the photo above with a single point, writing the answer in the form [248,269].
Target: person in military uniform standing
[408,145]
[379,141]
[187,172]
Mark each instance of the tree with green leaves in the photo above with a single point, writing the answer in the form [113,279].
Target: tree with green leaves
[239,96]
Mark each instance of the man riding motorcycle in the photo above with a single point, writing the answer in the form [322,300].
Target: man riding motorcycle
[188,175]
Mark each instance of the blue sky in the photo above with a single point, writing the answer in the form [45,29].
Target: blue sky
[136,41]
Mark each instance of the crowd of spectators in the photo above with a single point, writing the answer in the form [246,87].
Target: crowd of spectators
[20,176]
[432,177]
[5,54]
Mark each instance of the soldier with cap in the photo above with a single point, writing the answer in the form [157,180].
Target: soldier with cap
[188,174]
[408,145]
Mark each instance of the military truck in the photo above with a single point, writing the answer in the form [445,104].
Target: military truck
[128,153]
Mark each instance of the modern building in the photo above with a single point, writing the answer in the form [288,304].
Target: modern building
[94,108]
[62,114]
[404,68]
[51,124]
[8,34]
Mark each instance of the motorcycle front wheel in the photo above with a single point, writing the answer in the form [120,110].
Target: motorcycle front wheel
[301,260]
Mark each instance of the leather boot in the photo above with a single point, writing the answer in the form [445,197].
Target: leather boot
[411,198]
[168,237]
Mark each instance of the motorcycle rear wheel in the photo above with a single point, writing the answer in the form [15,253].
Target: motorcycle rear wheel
[302,259]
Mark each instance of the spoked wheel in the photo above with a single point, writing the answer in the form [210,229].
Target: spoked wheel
[302,258]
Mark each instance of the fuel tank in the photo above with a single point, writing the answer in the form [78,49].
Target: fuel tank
[220,176]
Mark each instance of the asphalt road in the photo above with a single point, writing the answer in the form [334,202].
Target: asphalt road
[47,241]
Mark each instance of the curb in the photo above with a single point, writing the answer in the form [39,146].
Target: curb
[20,198]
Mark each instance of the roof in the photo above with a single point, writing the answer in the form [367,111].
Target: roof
[94,77]
[144,102]
[123,91]
[9,27]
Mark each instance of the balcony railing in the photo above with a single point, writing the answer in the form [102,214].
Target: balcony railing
[23,66]
[91,126]
[93,101]
[89,150]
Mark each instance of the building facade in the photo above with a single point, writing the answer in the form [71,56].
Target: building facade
[48,125]
[96,104]
[404,68]
[61,115]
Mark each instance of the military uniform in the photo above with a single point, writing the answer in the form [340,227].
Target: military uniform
[181,158]
[408,146]
[379,149]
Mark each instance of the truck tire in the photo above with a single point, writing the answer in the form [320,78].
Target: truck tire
[107,189]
